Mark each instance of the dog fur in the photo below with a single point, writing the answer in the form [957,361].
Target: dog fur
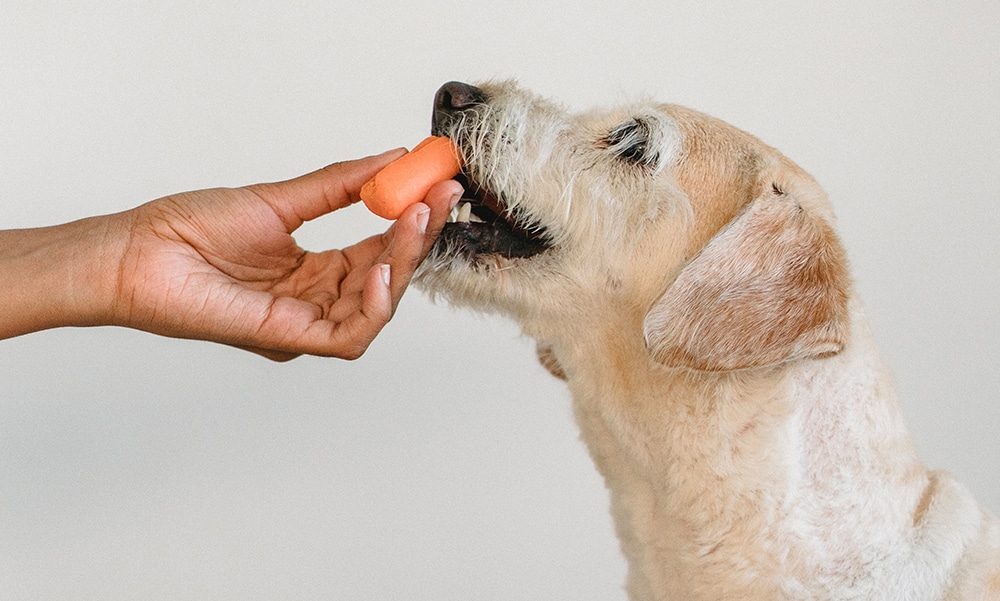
[697,301]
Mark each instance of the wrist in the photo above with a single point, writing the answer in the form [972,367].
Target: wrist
[64,275]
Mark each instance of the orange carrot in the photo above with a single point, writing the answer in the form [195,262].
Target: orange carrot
[406,180]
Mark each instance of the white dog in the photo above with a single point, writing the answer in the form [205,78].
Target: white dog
[686,281]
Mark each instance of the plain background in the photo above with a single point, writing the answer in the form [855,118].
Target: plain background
[444,464]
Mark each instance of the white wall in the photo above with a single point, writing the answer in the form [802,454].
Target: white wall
[444,464]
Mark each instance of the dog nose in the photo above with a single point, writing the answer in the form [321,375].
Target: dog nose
[458,96]
[453,98]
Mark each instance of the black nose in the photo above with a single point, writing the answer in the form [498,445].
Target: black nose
[453,98]
[458,96]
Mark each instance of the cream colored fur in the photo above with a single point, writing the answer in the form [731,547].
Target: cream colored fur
[723,376]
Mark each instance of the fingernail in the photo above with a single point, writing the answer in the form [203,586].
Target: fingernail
[454,201]
[390,151]
[385,271]
[422,217]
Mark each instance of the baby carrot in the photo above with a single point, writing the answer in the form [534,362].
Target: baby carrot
[406,180]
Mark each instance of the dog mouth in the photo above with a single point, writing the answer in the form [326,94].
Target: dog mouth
[482,224]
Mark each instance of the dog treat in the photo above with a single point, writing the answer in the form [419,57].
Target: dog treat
[406,180]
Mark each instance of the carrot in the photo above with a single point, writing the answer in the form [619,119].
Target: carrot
[406,180]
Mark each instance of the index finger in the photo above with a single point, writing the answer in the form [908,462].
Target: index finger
[333,187]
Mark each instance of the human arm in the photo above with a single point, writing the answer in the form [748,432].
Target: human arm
[222,265]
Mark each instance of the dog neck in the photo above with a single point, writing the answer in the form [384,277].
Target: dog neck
[714,476]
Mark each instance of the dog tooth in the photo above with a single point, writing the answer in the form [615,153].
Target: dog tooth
[453,215]
[464,212]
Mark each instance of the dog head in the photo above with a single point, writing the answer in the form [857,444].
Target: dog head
[654,221]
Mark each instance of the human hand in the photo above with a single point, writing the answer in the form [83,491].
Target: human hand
[222,265]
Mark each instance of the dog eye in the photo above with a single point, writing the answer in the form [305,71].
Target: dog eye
[630,141]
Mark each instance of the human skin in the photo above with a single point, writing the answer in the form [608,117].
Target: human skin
[222,265]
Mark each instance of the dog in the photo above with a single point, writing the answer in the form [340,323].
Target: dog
[685,279]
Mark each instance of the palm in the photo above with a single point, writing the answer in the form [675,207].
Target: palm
[223,265]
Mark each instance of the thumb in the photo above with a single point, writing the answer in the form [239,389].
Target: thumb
[333,187]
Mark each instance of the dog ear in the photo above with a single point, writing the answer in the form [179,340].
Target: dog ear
[770,287]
